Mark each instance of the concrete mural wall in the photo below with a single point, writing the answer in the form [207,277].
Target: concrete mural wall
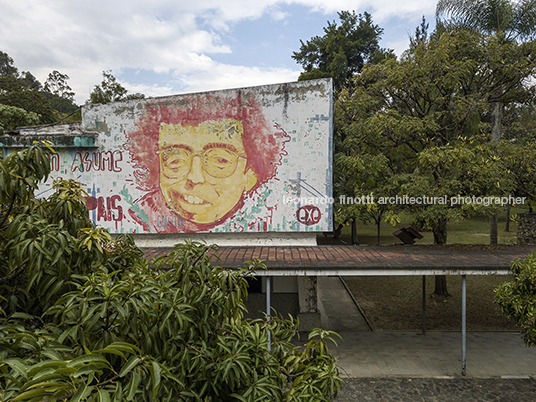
[245,160]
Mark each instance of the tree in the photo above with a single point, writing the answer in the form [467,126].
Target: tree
[423,114]
[517,298]
[341,53]
[511,19]
[30,81]
[343,50]
[420,38]
[12,117]
[53,102]
[519,159]
[88,318]
[506,21]
[519,122]
[360,181]
[15,92]
[361,174]
[401,108]
[7,66]
[60,95]
[111,91]
[64,109]
[56,84]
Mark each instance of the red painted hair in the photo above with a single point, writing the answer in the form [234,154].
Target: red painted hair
[263,144]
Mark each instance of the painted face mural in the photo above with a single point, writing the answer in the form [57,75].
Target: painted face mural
[201,159]
[203,169]
[254,159]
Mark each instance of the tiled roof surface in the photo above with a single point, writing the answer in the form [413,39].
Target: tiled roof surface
[352,258]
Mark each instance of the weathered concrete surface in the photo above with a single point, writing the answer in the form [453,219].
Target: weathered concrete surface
[67,135]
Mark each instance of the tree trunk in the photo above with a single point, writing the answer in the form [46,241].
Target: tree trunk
[507,227]
[378,231]
[440,237]
[493,230]
[440,288]
[440,232]
[496,119]
[338,230]
[496,134]
[354,231]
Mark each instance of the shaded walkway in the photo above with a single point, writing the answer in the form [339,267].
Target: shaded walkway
[339,310]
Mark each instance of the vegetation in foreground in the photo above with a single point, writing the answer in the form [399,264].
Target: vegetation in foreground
[517,298]
[86,318]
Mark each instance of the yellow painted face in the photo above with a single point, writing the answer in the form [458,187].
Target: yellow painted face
[203,168]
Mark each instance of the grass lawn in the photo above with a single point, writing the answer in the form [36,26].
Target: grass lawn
[394,302]
[469,231]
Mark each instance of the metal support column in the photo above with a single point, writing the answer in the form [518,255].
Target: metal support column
[464,327]
[268,307]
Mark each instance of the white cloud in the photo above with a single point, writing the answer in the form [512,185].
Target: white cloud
[223,76]
[380,9]
[179,37]
[149,90]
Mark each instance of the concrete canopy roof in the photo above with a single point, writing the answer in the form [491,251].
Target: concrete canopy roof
[370,260]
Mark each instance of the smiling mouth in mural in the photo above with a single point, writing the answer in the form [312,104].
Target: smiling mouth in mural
[187,199]
[193,199]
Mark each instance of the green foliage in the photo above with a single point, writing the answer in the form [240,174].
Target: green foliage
[520,122]
[190,315]
[40,243]
[506,23]
[35,366]
[30,82]
[15,91]
[343,50]
[63,108]
[519,161]
[50,103]
[110,90]
[517,298]
[415,127]
[86,317]
[512,19]
[12,117]
[7,65]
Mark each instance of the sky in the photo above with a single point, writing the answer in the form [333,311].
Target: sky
[168,47]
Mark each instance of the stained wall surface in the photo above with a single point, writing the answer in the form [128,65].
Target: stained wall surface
[255,159]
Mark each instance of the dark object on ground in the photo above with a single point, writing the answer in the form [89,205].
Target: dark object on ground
[407,234]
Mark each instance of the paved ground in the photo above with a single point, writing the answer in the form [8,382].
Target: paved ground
[440,390]
[407,366]
[436,354]
[339,310]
